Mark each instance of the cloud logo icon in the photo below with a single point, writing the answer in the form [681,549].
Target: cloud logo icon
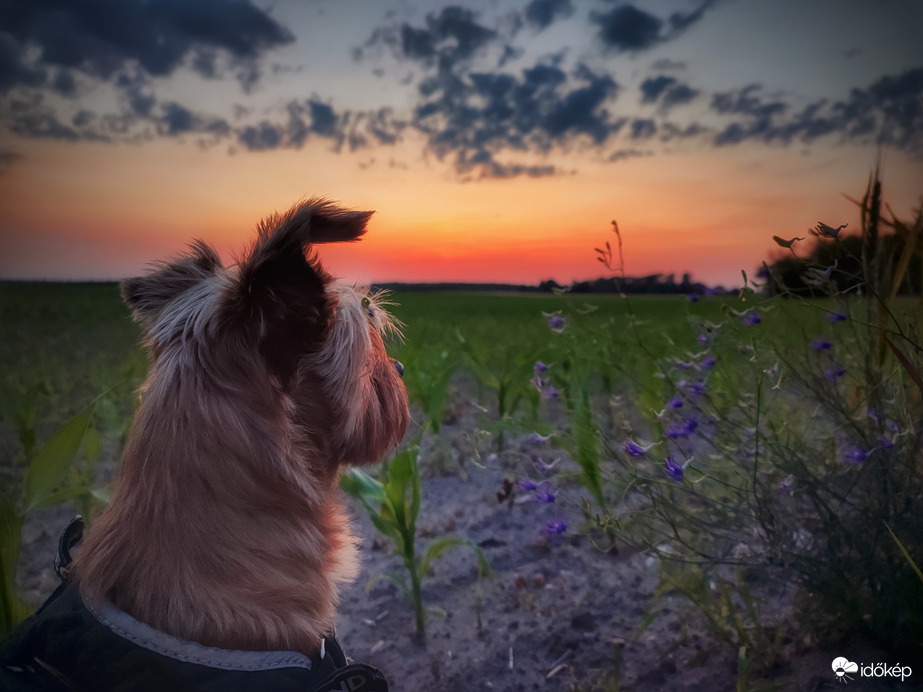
[841,666]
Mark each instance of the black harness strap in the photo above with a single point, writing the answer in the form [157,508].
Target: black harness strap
[67,646]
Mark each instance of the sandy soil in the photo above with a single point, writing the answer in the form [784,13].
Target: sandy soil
[556,613]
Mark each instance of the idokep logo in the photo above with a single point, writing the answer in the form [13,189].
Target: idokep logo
[842,668]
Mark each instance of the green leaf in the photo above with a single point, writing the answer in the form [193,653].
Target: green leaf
[403,476]
[362,486]
[12,608]
[435,549]
[439,546]
[91,444]
[55,457]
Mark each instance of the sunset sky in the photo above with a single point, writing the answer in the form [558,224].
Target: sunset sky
[496,139]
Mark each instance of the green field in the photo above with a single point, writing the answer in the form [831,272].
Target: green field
[773,419]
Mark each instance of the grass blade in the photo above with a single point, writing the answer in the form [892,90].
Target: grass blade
[904,552]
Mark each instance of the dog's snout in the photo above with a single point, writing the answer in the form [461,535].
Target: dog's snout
[398,366]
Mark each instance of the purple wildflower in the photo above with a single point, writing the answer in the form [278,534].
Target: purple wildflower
[633,449]
[536,439]
[821,345]
[545,496]
[556,322]
[708,362]
[835,373]
[550,392]
[679,429]
[703,338]
[752,318]
[540,366]
[856,455]
[556,526]
[674,470]
[538,382]
[675,402]
[696,387]
[885,442]
[527,484]
[836,317]
[787,482]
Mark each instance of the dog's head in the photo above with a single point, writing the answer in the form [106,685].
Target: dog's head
[274,338]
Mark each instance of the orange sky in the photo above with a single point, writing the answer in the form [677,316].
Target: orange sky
[95,211]
[127,166]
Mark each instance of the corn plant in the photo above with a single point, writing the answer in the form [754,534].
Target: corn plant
[427,375]
[507,375]
[393,505]
[60,470]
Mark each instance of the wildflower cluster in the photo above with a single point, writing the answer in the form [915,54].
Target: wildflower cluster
[542,490]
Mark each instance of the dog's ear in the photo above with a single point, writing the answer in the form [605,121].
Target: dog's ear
[147,295]
[281,285]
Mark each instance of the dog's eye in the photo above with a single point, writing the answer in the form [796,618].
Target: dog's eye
[369,308]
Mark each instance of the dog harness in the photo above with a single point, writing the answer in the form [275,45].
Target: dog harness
[67,645]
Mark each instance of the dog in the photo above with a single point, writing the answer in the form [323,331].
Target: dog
[225,530]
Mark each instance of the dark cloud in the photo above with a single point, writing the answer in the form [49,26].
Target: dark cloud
[623,154]
[628,28]
[486,166]
[678,95]
[68,48]
[313,118]
[451,35]
[889,111]
[261,137]
[542,13]
[99,37]
[178,120]
[667,91]
[643,128]
[653,87]
[472,117]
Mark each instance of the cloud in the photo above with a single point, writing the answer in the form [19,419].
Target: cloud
[309,118]
[100,38]
[667,91]
[448,36]
[540,14]
[628,28]
[643,128]
[176,119]
[624,154]
[889,111]
[69,49]
[472,117]
[483,162]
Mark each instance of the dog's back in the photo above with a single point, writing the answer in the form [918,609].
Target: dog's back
[225,526]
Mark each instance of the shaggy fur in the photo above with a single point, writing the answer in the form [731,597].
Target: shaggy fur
[225,525]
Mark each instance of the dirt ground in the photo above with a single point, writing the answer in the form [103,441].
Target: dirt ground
[556,613]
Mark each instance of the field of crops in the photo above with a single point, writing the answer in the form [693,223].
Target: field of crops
[643,491]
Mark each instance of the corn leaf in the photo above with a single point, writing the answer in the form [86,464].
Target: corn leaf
[52,461]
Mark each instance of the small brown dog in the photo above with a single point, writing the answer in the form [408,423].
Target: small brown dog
[225,526]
